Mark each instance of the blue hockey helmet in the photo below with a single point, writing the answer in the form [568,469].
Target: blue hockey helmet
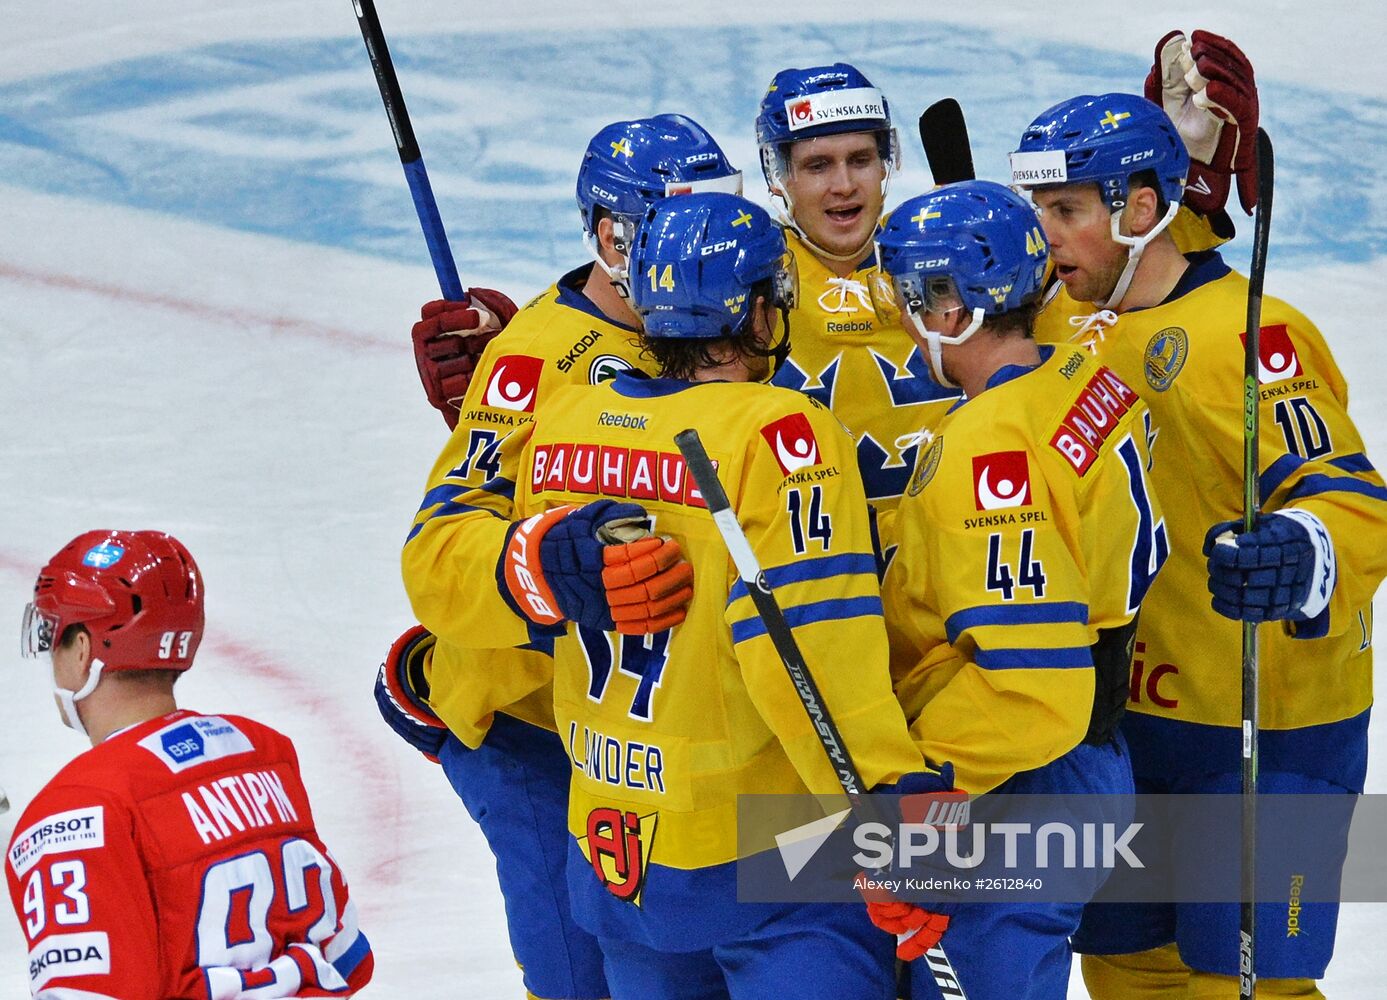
[629,165]
[1105,140]
[977,240]
[819,101]
[1102,140]
[697,263]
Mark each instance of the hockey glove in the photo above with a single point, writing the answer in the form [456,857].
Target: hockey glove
[1283,569]
[449,340]
[927,797]
[649,585]
[1206,86]
[556,566]
[402,694]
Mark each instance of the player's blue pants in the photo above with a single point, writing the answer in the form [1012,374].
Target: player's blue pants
[515,785]
[816,951]
[1020,951]
[1171,757]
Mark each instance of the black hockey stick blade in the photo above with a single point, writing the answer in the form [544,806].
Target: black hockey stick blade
[944,135]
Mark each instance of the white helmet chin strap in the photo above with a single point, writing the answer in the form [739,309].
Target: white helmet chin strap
[1136,246]
[935,341]
[619,274]
[69,699]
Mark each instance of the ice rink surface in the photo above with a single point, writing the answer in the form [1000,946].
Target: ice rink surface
[209,264]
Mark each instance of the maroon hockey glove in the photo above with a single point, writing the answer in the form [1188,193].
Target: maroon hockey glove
[449,340]
[1207,87]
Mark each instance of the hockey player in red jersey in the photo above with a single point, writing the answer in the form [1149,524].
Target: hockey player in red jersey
[178,857]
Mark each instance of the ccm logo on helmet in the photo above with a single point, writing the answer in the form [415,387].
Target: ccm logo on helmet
[1145,154]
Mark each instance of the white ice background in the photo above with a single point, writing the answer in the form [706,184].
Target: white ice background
[209,264]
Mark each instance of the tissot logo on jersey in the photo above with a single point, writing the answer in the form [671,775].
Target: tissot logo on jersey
[1001,479]
[60,833]
[793,443]
[514,383]
[1276,356]
[1093,417]
[641,474]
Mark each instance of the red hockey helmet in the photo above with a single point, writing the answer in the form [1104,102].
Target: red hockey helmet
[139,593]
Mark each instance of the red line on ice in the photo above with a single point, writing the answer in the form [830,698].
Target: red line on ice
[245,319]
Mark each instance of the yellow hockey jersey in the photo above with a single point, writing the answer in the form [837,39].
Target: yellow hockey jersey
[865,368]
[1029,525]
[1185,357]
[672,728]
[559,338]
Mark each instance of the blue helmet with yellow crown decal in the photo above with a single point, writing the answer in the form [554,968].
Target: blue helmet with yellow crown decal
[975,242]
[1102,140]
[979,235]
[811,103]
[699,262]
[629,165]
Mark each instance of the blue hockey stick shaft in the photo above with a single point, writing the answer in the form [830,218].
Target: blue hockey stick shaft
[410,157]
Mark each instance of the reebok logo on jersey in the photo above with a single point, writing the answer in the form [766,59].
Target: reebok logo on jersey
[60,833]
[637,473]
[1094,416]
[1001,479]
[793,443]
[514,383]
[69,955]
[1276,356]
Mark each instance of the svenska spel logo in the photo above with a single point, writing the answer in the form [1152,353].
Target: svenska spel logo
[793,442]
[1001,479]
[1276,356]
[514,383]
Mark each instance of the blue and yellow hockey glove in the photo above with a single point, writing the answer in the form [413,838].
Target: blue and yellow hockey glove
[597,565]
[1283,569]
[402,693]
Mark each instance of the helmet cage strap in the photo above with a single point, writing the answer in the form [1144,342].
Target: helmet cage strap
[1136,246]
[620,274]
[934,340]
[68,700]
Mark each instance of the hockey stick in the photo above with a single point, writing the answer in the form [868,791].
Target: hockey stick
[944,135]
[781,635]
[1247,923]
[410,157]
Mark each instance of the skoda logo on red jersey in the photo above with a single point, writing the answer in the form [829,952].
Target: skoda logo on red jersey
[1276,356]
[792,440]
[514,383]
[1000,480]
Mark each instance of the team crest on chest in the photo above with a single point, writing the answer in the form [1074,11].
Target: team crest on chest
[1166,353]
[926,468]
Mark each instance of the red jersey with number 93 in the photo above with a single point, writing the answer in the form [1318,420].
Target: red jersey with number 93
[178,859]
